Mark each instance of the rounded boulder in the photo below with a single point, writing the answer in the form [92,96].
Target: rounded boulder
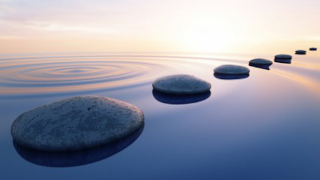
[283,58]
[181,84]
[301,52]
[76,123]
[260,62]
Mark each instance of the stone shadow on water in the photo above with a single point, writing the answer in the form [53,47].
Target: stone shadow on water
[230,77]
[180,99]
[76,158]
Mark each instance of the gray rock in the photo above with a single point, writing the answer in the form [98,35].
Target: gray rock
[301,52]
[283,58]
[231,70]
[313,49]
[76,123]
[181,84]
[260,62]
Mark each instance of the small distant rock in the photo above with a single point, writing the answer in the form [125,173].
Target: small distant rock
[301,52]
[181,84]
[76,123]
[283,58]
[231,70]
[313,49]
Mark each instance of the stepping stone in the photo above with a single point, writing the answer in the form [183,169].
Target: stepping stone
[283,58]
[76,123]
[260,63]
[231,70]
[313,49]
[181,84]
[301,52]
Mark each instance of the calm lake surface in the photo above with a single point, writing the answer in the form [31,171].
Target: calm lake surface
[263,127]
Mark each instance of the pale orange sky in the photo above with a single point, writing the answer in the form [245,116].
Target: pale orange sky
[224,26]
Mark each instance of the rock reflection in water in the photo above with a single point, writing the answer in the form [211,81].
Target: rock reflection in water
[230,77]
[180,99]
[76,158]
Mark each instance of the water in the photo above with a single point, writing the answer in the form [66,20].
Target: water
[265,126]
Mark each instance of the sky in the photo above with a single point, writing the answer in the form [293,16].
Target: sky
[209,26]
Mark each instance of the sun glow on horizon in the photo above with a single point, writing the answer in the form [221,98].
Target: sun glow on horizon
[140,25]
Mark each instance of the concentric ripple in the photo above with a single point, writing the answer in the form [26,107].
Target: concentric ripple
[63,74]
[51,75]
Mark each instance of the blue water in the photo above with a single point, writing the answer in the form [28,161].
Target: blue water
[265,126]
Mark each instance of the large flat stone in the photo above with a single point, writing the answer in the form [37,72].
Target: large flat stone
[181,84]
[76,123]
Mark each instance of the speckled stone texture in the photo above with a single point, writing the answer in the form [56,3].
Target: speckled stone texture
[313,49]
[231,70]
[301,52]
[76,123]
[181,84]
[260,61]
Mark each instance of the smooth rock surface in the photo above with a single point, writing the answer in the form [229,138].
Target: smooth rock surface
[76,123]
[301,52]
[231,70]
[260,61]
[313,49]
[181,84]
[283,56]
